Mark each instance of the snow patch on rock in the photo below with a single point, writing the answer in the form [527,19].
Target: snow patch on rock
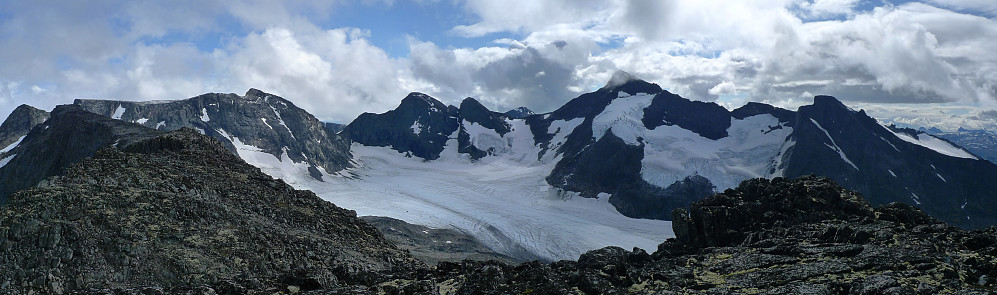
[4,161]
[935,144]
[118,112]
[834,146]
[13,145]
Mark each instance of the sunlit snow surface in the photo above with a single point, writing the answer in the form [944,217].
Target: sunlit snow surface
[13,145]
[4,161]
[118,112]
[936,144]
[502,200]
[752,148]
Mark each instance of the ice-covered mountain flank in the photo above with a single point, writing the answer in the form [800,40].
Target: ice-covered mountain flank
[652,151]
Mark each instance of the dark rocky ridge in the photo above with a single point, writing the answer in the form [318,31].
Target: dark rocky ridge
[68,136]
[179,212]
[473,112]
[420,126]
[519,113]
[19,123]
[707,119]
[958,191]
[266,121]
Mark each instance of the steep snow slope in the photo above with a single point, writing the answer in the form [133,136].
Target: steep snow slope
[935,144]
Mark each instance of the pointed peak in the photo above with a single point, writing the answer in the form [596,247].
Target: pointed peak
[470,100]
[419,96]
[620,78]
[419,100]
[625,82]
[253,92]
[27,108]
[519,113]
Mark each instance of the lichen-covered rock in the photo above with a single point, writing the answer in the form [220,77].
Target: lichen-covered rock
[178,213]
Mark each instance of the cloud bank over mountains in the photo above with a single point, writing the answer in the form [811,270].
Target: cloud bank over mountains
[536,54]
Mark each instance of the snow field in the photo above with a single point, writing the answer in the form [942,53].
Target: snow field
[936,144]
[501,200]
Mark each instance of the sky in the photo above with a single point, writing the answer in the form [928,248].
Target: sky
[928,63]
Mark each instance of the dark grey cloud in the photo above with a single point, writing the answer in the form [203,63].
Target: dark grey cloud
[528,76]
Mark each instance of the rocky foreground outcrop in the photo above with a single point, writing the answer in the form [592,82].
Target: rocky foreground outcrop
[178,213]
[799,236]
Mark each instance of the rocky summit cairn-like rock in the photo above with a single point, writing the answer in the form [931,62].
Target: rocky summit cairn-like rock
[178,213]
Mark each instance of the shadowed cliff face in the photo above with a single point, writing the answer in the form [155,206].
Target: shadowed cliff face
[258,119]
[19,122]
[179,211]
[69,136]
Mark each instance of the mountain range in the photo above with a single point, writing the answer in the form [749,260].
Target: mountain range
[602,170]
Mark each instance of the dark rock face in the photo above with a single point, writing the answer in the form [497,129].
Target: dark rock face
[612,166]
[70,135]
[333,128]
[754,108]
[519,113]
[472,112]
[657,203]
[617,163]
[268,122]
[955,190]
[707,119]
[20,121]
[798,236]
[420,126]
[177,212]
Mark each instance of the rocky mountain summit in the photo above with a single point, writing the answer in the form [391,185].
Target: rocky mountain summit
[18,124]
[179,213]
[256,120]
